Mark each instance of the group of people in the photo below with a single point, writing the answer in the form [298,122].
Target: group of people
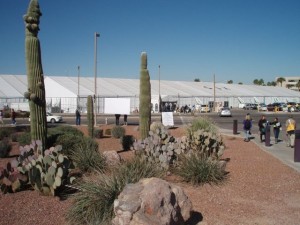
[264,124]
[12,116]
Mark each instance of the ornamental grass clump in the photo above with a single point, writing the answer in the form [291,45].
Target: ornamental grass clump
[86,156]
[198,170]
[94,204]
[118,131]
[202,123]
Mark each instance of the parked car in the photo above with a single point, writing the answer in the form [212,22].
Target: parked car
[279,106]
[225,111]
[262,107]
[250,106]
[204,108]
[52,118]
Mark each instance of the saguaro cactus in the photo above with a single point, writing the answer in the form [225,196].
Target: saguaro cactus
[90,116]
[35,78]
[145,98]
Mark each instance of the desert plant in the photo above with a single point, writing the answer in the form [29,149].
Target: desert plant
[14,137]
[202,123]
[127,142]
[4,133]
[145,98]
[46,173]
[68,141]
[107,132]
[24,139]
[36,88]
[196,169]
[118,131]
[94,205]
[159,147]
[98,133]
[86,156]
[11,180]
[90,115]
[5,148]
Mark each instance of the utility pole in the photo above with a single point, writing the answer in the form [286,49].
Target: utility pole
[159,88]
[78,96]
[214,107]
[95,79]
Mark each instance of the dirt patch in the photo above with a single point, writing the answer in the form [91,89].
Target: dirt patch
[260,190]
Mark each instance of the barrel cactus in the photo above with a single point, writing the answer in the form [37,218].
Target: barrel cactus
[36,88]
[90,116]
[145,98]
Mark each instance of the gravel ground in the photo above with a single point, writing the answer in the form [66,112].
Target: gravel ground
[260,190]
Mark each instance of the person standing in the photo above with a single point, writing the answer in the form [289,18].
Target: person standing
[78,117]
[13,117]
[117,119]
[276,129]
[262,123]
[290,126]
[125,120]
[1,117]
[247,127]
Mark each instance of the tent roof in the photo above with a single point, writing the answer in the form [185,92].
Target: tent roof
[59,86]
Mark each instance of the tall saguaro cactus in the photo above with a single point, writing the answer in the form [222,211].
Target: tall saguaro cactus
[145,98]
[35,78]
[90,116]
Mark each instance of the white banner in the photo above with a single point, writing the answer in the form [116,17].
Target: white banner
[167,118]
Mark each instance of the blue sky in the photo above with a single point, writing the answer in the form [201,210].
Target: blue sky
[239,40]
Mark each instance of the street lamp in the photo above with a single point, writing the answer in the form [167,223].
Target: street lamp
[159,88]
[78,86]
[95,78]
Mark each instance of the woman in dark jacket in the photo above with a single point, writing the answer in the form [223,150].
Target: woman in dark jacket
[276,129]
[262,123]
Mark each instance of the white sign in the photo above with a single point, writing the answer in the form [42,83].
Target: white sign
[117,106]
[167,118]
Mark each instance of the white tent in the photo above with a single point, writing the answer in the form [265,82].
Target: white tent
[67,93]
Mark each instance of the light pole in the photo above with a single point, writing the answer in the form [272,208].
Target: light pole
[95,79]
[78,68]
[159,88]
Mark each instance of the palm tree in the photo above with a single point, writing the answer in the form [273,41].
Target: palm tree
[255,82]
[298,85]
[197,80]
[280,80]
[229,81]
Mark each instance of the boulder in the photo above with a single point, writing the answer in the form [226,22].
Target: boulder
[112,158]
[152,201]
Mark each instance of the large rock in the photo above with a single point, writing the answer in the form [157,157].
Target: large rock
[152,201]
[112,158]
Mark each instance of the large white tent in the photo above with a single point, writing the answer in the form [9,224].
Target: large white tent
[68,93]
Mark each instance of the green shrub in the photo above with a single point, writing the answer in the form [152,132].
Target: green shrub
[24,139]
[118,131]
[127,142]
[107,132]
[5,148]
[68,141]
[94,205]
[98,133]
[4,133]
[86,156]
[202,123]
[197,170]
[14,137]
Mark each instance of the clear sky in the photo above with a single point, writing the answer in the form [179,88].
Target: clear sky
[239,40]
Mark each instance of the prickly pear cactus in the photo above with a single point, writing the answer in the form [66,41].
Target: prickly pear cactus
[145,98]
[90,116]
[36,87]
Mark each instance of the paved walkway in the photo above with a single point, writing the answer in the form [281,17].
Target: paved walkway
[281,151]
